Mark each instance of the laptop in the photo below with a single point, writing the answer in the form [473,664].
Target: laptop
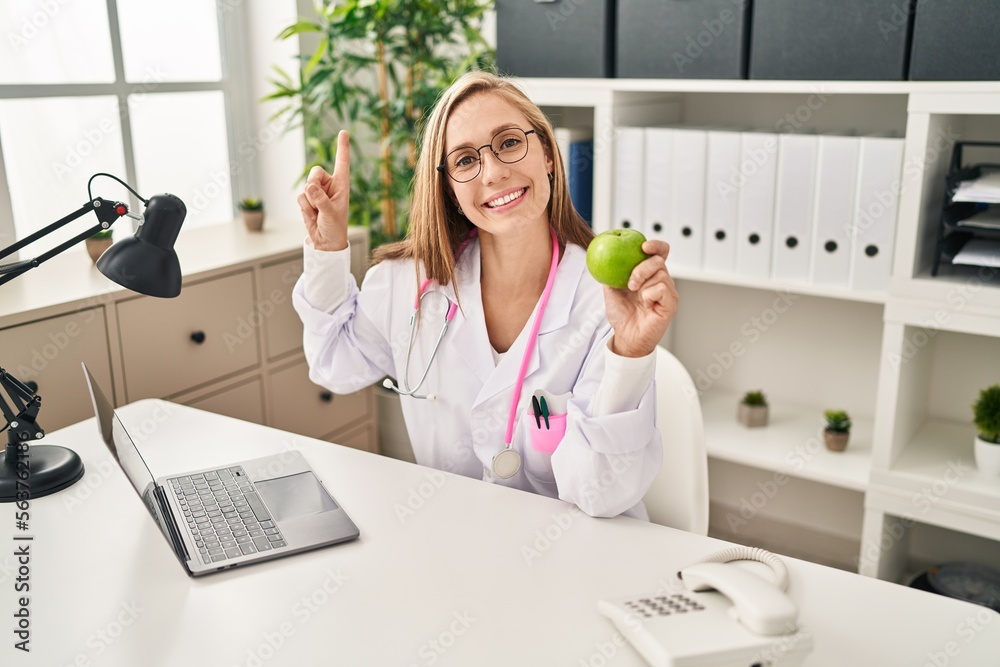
[233,515]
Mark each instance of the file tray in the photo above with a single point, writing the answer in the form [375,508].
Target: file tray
[971,209]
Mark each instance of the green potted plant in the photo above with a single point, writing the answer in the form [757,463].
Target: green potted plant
[98,243]
[376,69]
[752,410]
[837,431]
[252,212]
[986,414]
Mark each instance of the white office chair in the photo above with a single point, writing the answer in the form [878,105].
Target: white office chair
[679,495]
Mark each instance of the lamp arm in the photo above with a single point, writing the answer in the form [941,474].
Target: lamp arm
[22,424]
[107,213]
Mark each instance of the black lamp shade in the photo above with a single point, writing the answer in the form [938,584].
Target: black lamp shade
[146,262]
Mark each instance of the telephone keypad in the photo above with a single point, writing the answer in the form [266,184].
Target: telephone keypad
[662,605]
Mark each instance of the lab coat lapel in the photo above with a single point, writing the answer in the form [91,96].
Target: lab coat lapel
[468,333]
[556,316]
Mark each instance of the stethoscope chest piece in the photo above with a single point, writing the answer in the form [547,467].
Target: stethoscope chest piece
[506,463]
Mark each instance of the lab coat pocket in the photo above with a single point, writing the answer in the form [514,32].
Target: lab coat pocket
[547,437]
[538,454]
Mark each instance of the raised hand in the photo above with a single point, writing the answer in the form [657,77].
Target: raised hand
[324,200]
[641,313]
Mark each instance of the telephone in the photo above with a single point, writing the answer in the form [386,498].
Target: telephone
[719,615]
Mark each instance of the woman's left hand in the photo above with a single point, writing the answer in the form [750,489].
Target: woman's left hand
[641,313]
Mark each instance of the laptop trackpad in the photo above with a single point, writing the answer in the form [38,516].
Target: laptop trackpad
[294,495]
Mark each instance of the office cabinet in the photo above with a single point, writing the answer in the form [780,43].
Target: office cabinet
[955,41]
[230,343]
[555,37]
[905,360]
[810,40]
[243,401]
[680,39]
[48,352]
[363,437]
[298,405]
[282,327]
[171,345]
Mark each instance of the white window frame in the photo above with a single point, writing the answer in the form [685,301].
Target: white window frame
[234,86]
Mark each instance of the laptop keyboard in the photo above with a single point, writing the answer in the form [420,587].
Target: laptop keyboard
[226,517]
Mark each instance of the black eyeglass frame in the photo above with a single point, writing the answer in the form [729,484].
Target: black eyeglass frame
[443,167]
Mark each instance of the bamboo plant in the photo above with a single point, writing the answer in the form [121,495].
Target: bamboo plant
[377,69]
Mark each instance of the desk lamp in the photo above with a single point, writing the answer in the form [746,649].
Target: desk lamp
[144,263]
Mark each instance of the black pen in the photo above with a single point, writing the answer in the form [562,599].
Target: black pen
[537,409]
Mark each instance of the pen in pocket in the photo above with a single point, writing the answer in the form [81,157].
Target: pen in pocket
[537,410]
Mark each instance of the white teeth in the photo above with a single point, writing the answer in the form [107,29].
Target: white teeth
[500,201]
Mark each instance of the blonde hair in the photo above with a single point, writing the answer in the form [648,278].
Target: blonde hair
[436,228]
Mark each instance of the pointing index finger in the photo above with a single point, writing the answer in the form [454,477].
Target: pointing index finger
[342,164]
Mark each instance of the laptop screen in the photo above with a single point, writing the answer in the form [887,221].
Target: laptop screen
[120,443]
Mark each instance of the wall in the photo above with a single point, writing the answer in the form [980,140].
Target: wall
[278,155]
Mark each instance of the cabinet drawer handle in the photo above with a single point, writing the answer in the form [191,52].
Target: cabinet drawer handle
[326,396]
[198,337]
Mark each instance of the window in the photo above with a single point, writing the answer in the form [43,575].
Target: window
[150,92]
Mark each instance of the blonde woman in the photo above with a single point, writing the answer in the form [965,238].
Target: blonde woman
[514,365]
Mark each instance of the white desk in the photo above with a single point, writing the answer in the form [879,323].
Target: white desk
[448,584]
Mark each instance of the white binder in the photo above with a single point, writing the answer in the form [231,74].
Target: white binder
[685,229]
[755,223]
[629,167]
[657,205]
[722,200]
[793,206]
[880,167]
[836,189]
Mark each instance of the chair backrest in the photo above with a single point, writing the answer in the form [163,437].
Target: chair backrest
[679,495]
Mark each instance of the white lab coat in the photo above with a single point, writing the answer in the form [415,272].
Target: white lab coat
[604,464]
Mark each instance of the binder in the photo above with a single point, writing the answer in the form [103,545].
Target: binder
[755,224]
[793,206]
[576,145]
[581,178]
[686,225]
[722,200]
[880,167]
[658,193]
[628,179]
[836,189]
[565,136]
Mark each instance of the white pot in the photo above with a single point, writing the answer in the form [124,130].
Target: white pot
[987,457]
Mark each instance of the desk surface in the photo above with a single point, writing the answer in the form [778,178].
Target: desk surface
[447,571]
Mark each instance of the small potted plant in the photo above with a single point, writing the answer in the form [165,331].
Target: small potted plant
[753,409]
[986,413]
[252,211]
[98,243]
[837,431]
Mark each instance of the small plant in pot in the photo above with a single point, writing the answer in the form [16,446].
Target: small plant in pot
[986,414]
[837,431]
[753,409]
[98,243]
[252,211]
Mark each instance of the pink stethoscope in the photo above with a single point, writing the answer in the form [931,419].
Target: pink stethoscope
[506,462]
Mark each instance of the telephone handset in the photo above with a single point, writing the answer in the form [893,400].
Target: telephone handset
[718,614]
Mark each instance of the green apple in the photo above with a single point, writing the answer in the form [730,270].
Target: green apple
[613,254]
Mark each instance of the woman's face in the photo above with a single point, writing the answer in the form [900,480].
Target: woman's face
[503,198]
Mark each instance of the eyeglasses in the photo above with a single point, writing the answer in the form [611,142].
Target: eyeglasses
[464,164]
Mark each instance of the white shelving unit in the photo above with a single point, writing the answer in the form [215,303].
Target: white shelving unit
[907,363]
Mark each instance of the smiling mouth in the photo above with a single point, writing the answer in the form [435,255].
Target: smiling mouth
[500,201]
